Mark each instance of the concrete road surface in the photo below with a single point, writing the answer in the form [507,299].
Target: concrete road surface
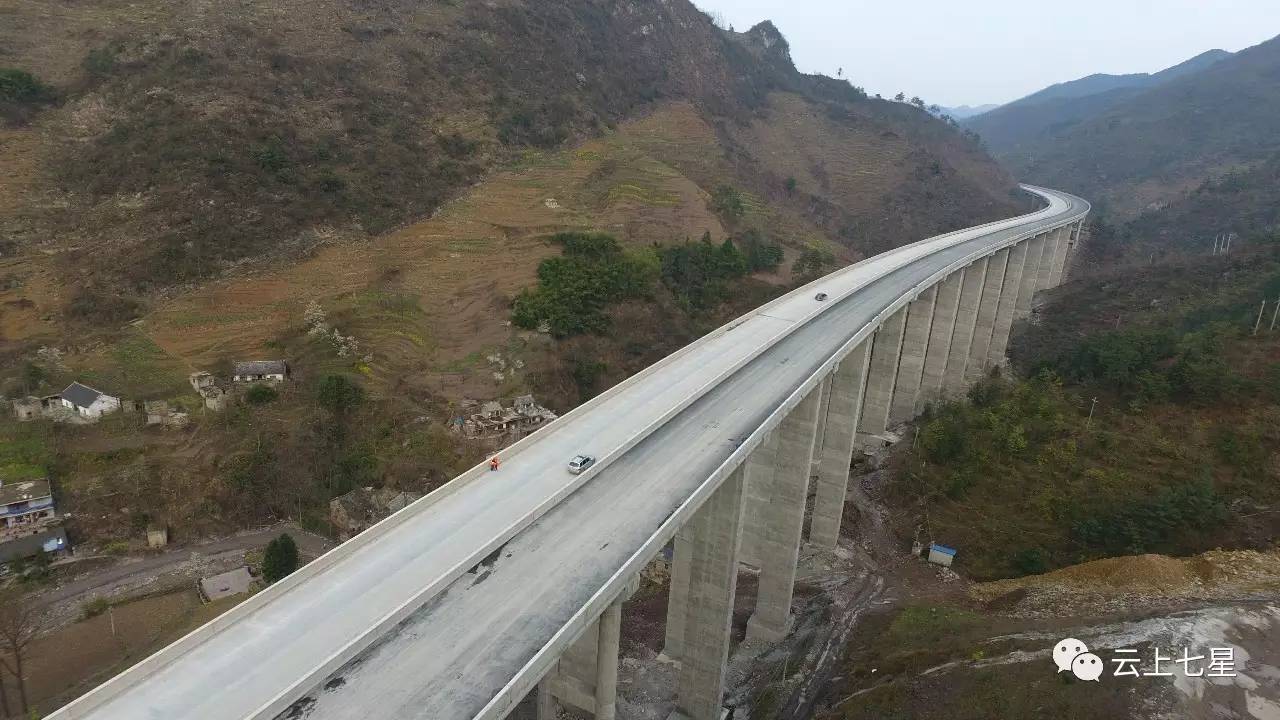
[412,620]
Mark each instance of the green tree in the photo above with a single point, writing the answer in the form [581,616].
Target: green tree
[727,201]
[32,376]
[813,262]
[575,288]
[697,273]
[260,394]
[790,185]
[280,558]
[339,394]
[760,254]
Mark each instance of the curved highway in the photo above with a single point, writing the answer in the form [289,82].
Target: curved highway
[455,606]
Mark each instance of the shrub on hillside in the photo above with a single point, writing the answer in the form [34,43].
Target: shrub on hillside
[260,394]
[575,288]
[812,262]
[339,394]
[21,95]
[761,255]
[697,273]
[280,558]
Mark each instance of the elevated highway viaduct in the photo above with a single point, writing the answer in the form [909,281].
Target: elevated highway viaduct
[502,583]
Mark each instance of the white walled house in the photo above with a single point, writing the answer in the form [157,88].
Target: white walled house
[261,371]
[87,402]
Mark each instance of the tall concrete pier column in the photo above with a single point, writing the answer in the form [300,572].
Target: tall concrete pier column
[1030,275]
[945,308]
[847,384]
[1044,275]
[606,690]
[677,595]
[758,490]
[1060,259]
[586,676]
[783,519]
[823,404]
[547,706]
[984,325]
[713,533]
[966,320]
[915,344]
[883,374]
[1008,300]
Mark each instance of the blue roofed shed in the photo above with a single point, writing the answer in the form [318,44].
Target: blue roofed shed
[941,554]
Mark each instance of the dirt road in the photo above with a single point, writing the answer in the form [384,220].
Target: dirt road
[142,575]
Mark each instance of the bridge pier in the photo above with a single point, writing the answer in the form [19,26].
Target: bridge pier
[1044,274]
[945,307]
[1008,300]
[823,406]
[882,376]
[966,321]
[847,385]
[985,322]
[713,540]
[780,521]
[915,345]
[758,485]
[586,676]
[1060,258]
[1030,277]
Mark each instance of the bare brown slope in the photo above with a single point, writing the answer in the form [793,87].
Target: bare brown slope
[193,135]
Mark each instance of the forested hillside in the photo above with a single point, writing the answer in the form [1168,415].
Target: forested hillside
[1152,147]
[1014,130]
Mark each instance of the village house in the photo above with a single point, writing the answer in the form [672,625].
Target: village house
[158,412]
[494,421]
[26,508]
[88,403]
[51,541]
[28,408]
[360,509]
[252,371]
[214,393]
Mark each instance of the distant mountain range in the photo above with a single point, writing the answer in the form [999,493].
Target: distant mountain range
[1136,143]
[1021,124]
[960,112]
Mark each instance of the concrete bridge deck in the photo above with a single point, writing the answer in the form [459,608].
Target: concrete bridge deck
[459,605]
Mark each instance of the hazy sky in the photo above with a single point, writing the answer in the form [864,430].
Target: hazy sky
[980,51]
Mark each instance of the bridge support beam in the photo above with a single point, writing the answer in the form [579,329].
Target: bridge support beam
[823,407]
[586,677]
[847,384]
[944,322]
[783,521]
[1008,301]
[1077,229]
[966,321]
[758,485]
[984,325]
[713,536]
[1044,275]
[1030,277]
[1065,234]
[915,344]
[883,374]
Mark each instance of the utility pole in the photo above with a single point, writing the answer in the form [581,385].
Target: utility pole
[1229,236]
[1089,420]
[1258,323]
[1274,314]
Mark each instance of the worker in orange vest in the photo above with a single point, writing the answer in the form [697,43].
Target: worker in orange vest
[493,463]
